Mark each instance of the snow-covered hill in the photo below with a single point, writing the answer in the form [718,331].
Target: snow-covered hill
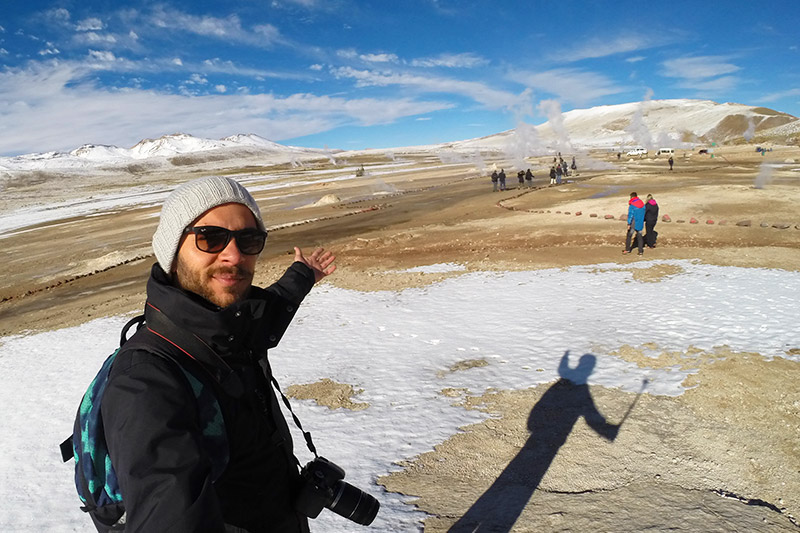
[162,151]
[651,124]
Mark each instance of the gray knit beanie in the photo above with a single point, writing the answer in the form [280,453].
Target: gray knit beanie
[186,203]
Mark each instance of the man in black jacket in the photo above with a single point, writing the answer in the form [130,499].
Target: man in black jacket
[204,312]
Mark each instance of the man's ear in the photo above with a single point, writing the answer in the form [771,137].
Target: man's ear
[175,259]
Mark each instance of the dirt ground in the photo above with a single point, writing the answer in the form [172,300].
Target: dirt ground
[721,457]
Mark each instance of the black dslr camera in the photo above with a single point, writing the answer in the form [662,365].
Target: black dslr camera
[323,487]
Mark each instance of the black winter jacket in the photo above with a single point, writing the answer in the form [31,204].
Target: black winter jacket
[152,424]
[651,211]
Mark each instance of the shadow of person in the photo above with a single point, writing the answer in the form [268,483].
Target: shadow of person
[550,423]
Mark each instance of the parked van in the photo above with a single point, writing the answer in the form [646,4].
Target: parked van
[638,151]
[666,151]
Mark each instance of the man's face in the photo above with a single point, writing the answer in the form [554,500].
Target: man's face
[222,278]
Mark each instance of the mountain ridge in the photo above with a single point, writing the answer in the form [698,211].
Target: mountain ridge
[677,123]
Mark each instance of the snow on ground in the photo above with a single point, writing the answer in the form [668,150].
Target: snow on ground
[398,348]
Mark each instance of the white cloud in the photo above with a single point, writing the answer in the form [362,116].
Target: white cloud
[102,55]
[347,53]
[49,52]
[269,32]
[712,86]
[604,47]
[780,95]
[90,24]
[96,38]
[220,88]
[479,92]
[568,84]
[176,64]
[304,3]
[228,28]
[635,59]
[698,67]
[3,51]
[77,111]
[58,15]
[197,79]
[704,74]
[379,58]
[466,60]
[316,67]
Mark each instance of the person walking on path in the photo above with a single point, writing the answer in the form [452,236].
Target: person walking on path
[650,220]
[671,162]
[635,224]
[529,178]
[494,181]
[521,178]
[502,178]
[553,175]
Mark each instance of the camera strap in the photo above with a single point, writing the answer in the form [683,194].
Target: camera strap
[306,434]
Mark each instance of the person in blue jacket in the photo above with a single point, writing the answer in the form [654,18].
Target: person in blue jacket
[635,224]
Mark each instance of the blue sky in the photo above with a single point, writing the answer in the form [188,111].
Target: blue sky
[361,74]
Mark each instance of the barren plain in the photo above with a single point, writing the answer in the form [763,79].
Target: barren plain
[738,208]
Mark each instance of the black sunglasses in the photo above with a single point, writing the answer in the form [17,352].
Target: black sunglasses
[213,239]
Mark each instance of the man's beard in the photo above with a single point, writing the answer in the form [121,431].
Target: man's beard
[198,282]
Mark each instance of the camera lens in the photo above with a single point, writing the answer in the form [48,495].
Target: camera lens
[354,504]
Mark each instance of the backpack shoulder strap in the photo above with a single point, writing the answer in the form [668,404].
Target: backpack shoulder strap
[201,385]
[95,478]
[67,449]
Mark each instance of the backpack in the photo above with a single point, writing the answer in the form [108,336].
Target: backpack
[95,479]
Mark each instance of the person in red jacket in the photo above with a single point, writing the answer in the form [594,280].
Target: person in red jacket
[635,224]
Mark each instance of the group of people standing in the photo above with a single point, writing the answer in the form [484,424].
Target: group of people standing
[641,215]
[560,169]
[499,180]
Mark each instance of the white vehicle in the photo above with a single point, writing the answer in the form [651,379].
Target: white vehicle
[638,151]
[666,151]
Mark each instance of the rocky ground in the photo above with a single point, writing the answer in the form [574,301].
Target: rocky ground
[723,456]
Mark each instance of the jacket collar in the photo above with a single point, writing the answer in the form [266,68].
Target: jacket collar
[229,331]
[636,202]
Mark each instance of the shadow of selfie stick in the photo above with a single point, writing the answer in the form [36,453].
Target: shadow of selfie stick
[645,382]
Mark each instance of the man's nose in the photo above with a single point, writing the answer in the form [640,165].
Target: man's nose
[231,252]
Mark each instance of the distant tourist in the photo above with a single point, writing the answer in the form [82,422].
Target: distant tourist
[559,173]
[529,178]
[650,220]
[553,175]
[502,178]
[494,181]
[574,166]
[635,224]
[521,178]
[671,162]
